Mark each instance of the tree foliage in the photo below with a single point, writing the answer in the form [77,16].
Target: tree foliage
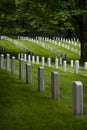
[24,16]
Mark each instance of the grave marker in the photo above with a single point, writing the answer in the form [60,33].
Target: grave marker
[2,61]
[28,74]
[21,69]
[77,98]
[55,85]
[13,65]
[41,79]
[7,62]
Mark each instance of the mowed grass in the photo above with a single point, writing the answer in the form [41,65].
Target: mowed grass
[22,107]
[37,50]
[69,55]
[10,48]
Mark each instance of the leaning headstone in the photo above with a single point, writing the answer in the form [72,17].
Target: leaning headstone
[55,85]
[41,79]
[85,65]
[28,74]
[43,60]
[49,62]
[77,98]
[2,61]
[56,63]
[7,62]
[21,69]
[13,65]
[64,66]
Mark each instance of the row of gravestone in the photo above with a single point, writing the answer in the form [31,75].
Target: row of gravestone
[60,61]
[77,86]
[22,47]
[42,44]
[59,43]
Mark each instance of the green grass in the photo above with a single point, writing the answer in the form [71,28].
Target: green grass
[22,107]
[10,48]
[37,50]
[63,51]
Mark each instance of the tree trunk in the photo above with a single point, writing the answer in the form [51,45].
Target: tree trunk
[80,23]
[83,37]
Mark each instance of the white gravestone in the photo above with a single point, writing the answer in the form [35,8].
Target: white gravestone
[41,79]
[56,63]
[64,66]
[85,65]
[28,74]
[7,62]
[2,61]
[25,57]
[55,85]
[76,67]
[60,60]
[13,65]
[29,58]
[49,62]
[71,63]
[37,59]
[21,69]
[22,56]
[19,56]
[77,98]
[43,61]
[33,59]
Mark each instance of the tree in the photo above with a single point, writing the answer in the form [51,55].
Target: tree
[46,16]
[60,12]
[80,24]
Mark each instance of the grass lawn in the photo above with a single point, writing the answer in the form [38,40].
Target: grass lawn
[22,107]
[10,48]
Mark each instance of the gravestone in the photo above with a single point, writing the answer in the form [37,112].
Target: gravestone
[77,98]
[28,74]
[21,69]
[43,60]
[33,59]
[49,62]
[2,61]
[22,56]
[76,67]
[64,66]
[55,85]
[37,59]
[56,63]
[13,65]
[19,56]
[25,57]
[85,65]
[41,79]
[60,60]
[29,58]
[71,63]
[7,62]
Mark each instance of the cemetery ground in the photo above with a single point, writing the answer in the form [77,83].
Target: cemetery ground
[22,107]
